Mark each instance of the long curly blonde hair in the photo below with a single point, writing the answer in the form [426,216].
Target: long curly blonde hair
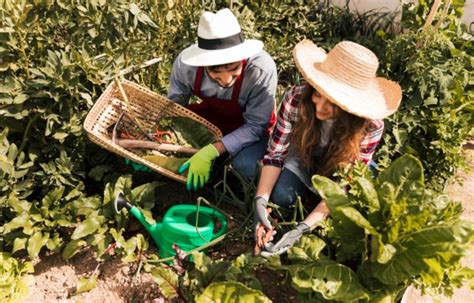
[344,139]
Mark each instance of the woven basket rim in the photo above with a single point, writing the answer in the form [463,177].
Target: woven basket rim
[97,117]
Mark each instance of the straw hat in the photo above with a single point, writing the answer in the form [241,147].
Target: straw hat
[347,77]
[220,41]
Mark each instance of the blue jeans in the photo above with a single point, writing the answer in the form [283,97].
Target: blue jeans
[287,189]
[246,161]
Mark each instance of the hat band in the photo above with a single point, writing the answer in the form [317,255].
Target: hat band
[221,43]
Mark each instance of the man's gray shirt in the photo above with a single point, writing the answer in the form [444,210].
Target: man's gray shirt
[256,99]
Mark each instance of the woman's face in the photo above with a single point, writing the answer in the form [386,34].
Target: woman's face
[325,109]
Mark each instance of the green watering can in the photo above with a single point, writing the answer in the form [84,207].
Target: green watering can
[185,225]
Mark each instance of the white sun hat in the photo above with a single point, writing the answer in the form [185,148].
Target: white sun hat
[347,77]
[220,41]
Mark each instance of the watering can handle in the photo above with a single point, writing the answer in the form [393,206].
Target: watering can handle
[223,221]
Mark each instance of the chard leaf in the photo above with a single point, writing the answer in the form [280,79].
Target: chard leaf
[356,217]
[192,131]
[144,195]
[332,280]
[208,271]
[369,194]
[36,242]
[167,281]
[446,243]
[231,292]
[381,253]
[330,191]
[86,284]
[405,174]
[73,248]
[87,227]
[170,163]
[307,249]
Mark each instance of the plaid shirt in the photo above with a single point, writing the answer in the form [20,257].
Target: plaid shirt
[279,143]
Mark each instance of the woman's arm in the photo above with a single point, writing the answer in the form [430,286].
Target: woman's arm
[319,213]
[268,178]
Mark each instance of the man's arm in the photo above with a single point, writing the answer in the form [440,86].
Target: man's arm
[258,109]
[179,89]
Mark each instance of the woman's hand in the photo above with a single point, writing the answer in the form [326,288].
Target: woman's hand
[286,242]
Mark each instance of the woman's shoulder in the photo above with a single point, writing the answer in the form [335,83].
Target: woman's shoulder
[294,93]
[375,126]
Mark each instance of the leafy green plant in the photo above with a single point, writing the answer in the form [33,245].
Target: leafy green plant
[386,234]
[204,279]
[434,69]
[40,223]
[102,229]
[12,273]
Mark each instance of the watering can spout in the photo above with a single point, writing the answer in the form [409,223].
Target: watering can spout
[121,202]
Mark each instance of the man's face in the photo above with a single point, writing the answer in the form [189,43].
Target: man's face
[225,75]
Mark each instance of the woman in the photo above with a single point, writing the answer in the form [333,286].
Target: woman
[332,120]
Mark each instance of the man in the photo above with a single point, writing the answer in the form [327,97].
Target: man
[236,81]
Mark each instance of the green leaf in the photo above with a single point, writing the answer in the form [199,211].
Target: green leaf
[356,217]
[230,292]
[144,195]
[36,242]
[167,281]
[307,249]
[208,271]
[445,242]
[405,174]
[72,248]
[87,227]
[381,253]
[170,163]
[19,244]
[332,280]
[192,131]
[86,284]
[369,194]
[330,191]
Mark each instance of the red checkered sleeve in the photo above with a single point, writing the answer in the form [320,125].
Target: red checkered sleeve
[371,140]
[280,141]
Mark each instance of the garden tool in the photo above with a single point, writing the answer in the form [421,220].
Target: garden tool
[286,242]
[186,225]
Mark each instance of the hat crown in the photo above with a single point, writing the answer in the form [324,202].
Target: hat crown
[219,25]
[351,63]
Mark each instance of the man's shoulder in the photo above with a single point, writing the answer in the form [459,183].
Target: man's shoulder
[262,62]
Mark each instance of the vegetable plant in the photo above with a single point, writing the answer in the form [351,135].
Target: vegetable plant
[385,234]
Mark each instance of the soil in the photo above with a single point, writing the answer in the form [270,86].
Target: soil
[55,279]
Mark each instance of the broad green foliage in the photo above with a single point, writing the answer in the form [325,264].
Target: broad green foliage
[12,285]
[434,69]
[97,218]
[206,280]
[231,292]
[390,232]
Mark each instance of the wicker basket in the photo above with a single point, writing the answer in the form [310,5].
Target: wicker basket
[143,102]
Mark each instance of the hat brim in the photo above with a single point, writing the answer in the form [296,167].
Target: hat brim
[196,56]
[379,99]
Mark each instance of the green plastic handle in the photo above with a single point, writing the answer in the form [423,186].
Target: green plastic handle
[223,221]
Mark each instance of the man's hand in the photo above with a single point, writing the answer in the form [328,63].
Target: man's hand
[287,240]
[199,167]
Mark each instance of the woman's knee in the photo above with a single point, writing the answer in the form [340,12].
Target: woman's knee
[283,197]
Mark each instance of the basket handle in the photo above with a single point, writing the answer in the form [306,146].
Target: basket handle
[134,68]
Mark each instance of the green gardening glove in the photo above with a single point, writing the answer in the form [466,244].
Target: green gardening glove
[199,167]
[137,166]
